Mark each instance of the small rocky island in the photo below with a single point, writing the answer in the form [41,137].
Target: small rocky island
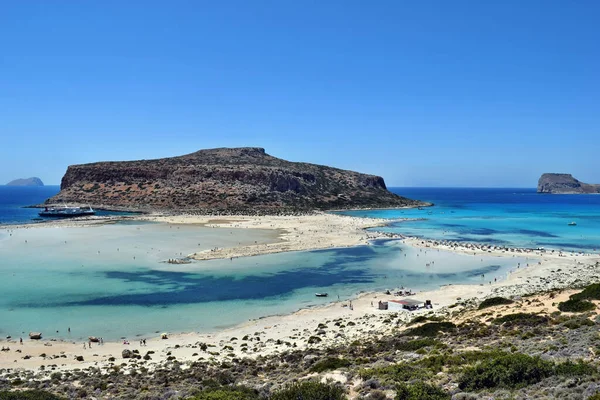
[564,184]
[33,181]
[223,180]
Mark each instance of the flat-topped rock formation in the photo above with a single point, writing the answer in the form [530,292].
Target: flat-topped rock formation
[564,184]
[227,180]
[34,181]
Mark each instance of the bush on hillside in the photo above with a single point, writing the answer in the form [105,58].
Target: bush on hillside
[330,363]
[310,390]
[430,329]
[516,370]
[400,372]
[420,391]
[576,305]
[494,301]
[592,292]
[414,345]
[222,393]
[510,371]
[521,319]
[28,395]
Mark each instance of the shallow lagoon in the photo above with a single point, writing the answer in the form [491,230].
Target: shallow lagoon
[111,280]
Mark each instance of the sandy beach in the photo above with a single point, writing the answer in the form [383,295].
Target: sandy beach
[295,233]
[335,323]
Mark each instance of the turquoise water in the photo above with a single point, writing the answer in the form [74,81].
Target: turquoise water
[513,217]
[111,281]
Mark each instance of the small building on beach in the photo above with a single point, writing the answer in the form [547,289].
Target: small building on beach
[405,304]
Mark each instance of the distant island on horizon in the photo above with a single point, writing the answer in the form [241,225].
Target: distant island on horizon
[33,181]
[224,180]
[554,183]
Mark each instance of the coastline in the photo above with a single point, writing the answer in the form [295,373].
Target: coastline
[277,333]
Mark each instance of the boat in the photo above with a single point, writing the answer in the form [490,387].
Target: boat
[321,294]
[66,212]
[572,223]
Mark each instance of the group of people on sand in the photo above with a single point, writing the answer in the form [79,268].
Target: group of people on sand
[142,342]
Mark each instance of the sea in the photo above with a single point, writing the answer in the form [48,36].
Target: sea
[112,280]
[14,202]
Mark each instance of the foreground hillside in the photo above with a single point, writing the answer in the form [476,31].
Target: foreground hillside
[540,346]
[223,180]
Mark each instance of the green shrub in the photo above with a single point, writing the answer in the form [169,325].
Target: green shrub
[420,391]
[401,372]
[28,395]
[330,363]
[414,345]
[570,368]
[430,329]
[423,318]
[494,301]
[521,319]
[310,390]
[591,292]
[239,393]
[576,323]
[576,305]
[438,362]
[507,371]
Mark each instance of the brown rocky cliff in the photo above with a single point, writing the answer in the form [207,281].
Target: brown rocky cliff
[564,184]
[223,180]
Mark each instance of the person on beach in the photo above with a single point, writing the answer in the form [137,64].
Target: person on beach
[21,341]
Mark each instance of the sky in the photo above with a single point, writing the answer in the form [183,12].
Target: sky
[424,93]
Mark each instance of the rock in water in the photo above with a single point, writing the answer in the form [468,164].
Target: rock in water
[26,182]
[565,184]
[227,180]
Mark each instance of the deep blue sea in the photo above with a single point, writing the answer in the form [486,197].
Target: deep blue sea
[13,200]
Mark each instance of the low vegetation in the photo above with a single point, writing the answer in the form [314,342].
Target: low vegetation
[485,356]
[310,391]
[576,305]
[28,395]
[420,391]
[430,329]
[494,301]
[521,319]
[591,292]
[330,363]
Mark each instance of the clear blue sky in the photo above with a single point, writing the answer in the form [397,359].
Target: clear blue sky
[424,93]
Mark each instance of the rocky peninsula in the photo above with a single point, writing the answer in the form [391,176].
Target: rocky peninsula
[565,184]
[33,181]
[224,180]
